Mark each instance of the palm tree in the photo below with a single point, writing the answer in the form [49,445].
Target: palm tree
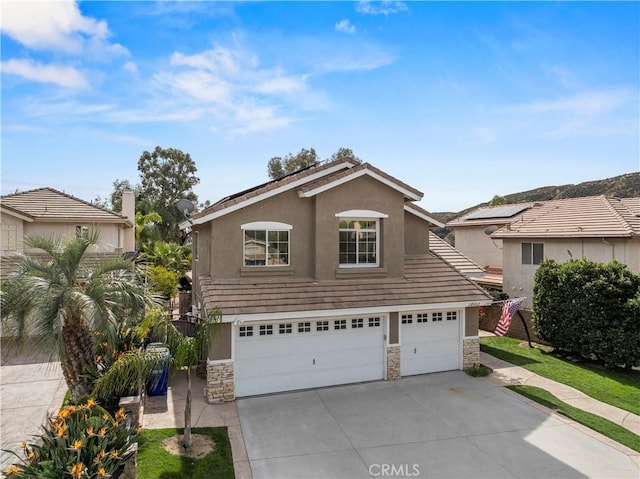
[58,302]
[135,367]
[146,227]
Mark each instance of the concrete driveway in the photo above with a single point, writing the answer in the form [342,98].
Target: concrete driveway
[445,425]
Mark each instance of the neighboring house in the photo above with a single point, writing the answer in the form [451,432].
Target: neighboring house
[46,212]
[518,237]
[344,290]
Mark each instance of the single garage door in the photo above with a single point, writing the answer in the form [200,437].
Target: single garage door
[290,355]
[430,342]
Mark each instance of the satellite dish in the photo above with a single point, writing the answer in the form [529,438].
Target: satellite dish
[489,230]
[185,207]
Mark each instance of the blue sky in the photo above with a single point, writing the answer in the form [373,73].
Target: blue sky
[461,100]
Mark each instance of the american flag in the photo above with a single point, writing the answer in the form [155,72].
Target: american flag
[508,310]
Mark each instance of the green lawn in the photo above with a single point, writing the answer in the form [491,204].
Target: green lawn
[156,463]
[603,426]
[616,387]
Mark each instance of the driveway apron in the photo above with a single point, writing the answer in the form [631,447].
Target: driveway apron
[444,425]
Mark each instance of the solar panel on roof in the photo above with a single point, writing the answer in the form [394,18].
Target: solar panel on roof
[506,211]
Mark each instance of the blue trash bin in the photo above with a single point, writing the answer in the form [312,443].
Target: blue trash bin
[159,378]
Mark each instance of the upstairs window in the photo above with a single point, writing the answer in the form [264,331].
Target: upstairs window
[82,231]
[266,243]
[532,253]
[359,242]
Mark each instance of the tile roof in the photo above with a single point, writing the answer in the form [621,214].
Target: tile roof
[48,204]
[455,258]
[326,182]
[422,213]
[585,217]
[427,280]
[287,182]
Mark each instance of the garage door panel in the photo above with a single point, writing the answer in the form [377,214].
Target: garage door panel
[300,360]
[431,345]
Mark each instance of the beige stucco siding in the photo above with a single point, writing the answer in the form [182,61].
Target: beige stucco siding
[220,344]
[471,322]
[416,234]
[518,278]
[363,193]
[12,234]
[227,237]
[111,236]
[472,242]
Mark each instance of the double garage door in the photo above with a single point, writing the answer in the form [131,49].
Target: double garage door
[290,355]
[301,354]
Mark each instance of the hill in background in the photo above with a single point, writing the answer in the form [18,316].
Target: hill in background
[623,186]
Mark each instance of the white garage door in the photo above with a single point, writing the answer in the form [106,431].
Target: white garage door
[430,342]
[289,355]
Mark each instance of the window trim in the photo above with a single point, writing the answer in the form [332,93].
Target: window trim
[377,231]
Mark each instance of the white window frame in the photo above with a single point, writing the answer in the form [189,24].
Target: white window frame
[357,215]
[266,227]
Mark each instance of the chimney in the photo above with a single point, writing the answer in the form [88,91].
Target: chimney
[129,210]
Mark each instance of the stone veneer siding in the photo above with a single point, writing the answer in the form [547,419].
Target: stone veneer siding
[471,352]
[220,382]
[393,362]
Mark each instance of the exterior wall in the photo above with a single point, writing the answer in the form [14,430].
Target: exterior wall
[363,193]
[416,235]
[471,321]
[201,263]
[220,344]
[518,278]
[470,353]
[226,237]
[15,227]
[111,235]
[220,382]
[472,242]
[128,242]
[394,328]
[393,363]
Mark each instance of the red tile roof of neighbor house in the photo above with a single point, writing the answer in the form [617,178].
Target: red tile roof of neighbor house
[427,280]
[51,205]
[586,217]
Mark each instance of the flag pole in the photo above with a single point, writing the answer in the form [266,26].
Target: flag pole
[526,329]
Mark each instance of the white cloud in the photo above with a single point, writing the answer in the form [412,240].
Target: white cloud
[64,76]
[57,26]
[381,8]
[131,67]
[345,26]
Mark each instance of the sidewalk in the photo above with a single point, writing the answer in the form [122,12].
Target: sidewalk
[168,411]
[506,373]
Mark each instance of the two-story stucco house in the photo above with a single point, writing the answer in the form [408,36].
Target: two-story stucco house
[516,238]
[324,277]
[596,228]
[46,212]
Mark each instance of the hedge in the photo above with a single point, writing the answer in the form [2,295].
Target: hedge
[589,308]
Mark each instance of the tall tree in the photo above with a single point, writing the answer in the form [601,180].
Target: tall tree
[279,167]
[345,154]
[167,176]
[55,301]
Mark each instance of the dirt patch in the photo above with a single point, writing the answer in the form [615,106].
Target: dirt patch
[200,446]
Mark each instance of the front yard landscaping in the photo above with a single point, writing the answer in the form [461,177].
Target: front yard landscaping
[156,462]
[619,387]
[592,421]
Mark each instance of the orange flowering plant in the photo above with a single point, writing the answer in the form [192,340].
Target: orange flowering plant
[83,441]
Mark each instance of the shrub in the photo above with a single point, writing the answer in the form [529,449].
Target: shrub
[589,308]
[163,281]
[83,441]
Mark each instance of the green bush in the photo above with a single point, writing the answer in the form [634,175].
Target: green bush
[589,308]
[82,441]
[163,281]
